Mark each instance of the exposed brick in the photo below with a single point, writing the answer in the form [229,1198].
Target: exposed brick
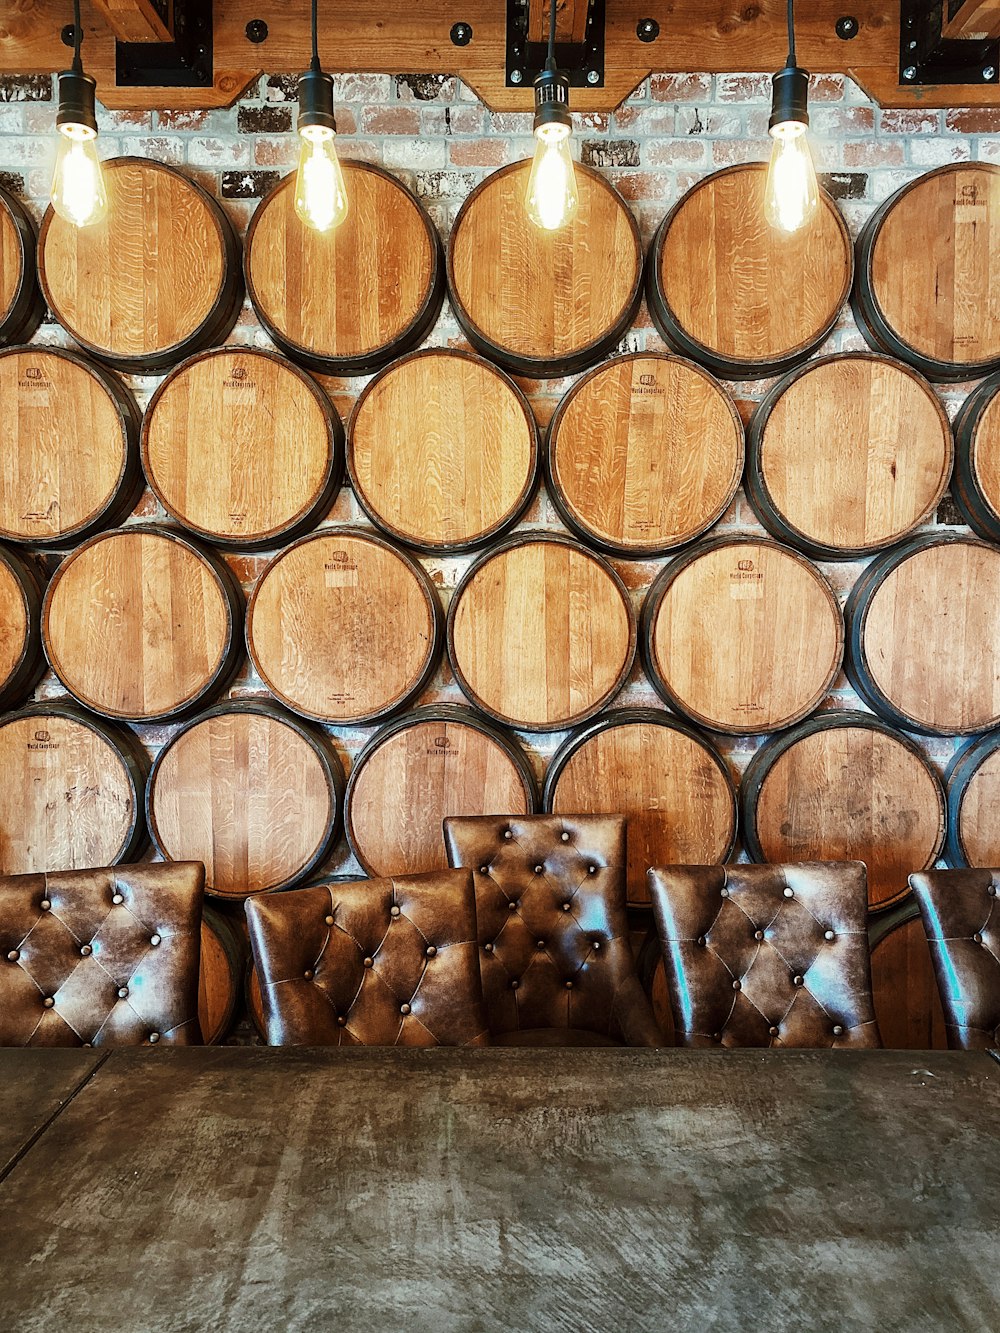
[390,120]
[417,153]
[478,152]
[828,87]
[976,120]
[424,87]
[12,182]
[842,120]
[158,147]
[182,120]
[680,87]
[443,184]
[938,152]
[610,152]
[264,120]
[845,184]
[743,88]
[949,515]
[218,152]
[283,152]
[594,121]
[283,88]
[707,121]
[676,152]
[248,184]
[873,153]
[26,88]
[897,120]
[641,184]
[362,88]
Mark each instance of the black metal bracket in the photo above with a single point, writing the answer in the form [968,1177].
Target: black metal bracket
[186,62]
[927,57]
[582,62]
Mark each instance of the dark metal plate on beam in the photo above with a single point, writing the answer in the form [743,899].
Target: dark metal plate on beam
[186,62]
[925,57]
[582,62]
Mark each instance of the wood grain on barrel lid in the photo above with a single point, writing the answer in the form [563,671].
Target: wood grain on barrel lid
[220,977]
[541,633]
[976,484]
[443,450]
[15,621]
[11,259]
[904,988]
[644,453]
[242,446]
[21,305]
[973,783]
[344,628]
[742,635]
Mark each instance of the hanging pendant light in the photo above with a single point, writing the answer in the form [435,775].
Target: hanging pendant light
[552,198]
[320,193]
[791,194]
[78,192]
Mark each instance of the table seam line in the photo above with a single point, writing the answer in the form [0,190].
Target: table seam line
[27,1146]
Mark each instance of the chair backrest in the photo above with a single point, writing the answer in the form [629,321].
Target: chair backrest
[961,917]
[101,957]
[553,930]
[767,955]
[380,962]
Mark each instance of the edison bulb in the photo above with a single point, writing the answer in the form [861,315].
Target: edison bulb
[78,192]
[320,193]
[552,196]
[791,195]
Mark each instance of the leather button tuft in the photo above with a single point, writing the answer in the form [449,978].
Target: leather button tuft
[394,911]
[154,940]
[564,836]
[569,985]
[88,1045]
[796,981]
[514,985]
[13,956]
[596,944]
[724,893]
[788,893]
[308,974]
[488,948]
[978,938]
[773,1031]
[48,1002]
[430,951]
[154,1037]
[328,920]
[404,1008]
[117,899]
[837,1030]
[592,870]
[508,833]
[369,962]
[45,904]
[341,1021]
[539,869]
[539,944]
[758,934]
[566,907]
[992,890]
[737,985]
[716,1036]
[85,951]
[484,870]
[701,941]
[512,905]
[123,992]
[829,935]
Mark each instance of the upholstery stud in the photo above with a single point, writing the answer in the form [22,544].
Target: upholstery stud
[488,948]
[85,950]
[514,985]
[788,892]
[539,869]
[404,1009]
[154,1037]
[13,956]
[566,907]
[724,893]
[508,833]
[596,944]
[564,837]
[716,1036]
[569,985]
[341,1021]
[484,870]
[394,911]
[539,944]
[45,905]
[796,981]
[701,941]
[88,1045]
[512,905]
[737,985]
[369,962]
[308,974]
[328,920]
[758,934]
[154,940]
[829,935]
[117,899]
[773,1031]
[430,951]
[978,938]
[123,992]
[992,890]
[48,1002]
[592,870]
[837,1029]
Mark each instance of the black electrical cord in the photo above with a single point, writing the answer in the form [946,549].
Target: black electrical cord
[550,62]
[315,35]
[791,33]
[77,38]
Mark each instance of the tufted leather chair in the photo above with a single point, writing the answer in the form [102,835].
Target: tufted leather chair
[554,949]
[382,962]
[961,917]
[767,955]
[101,957]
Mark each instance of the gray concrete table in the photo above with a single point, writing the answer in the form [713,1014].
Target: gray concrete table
[34,1087]
[236,1189]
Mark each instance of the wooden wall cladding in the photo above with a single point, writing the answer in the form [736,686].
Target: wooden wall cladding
[544,303]
[735,294]
[251,791]
[848,455]
[72,791]
[418,770]
[143,623]
[935,305]
[344,628]
[541,633]
[21,304]
[21,659]
[742,635]
[443,451]
[345,302]
[670,782]
[644,454]
[907,1001]
[973,784]
[975,486]
[923,626]
[156,280]
[845,787]
[242,447]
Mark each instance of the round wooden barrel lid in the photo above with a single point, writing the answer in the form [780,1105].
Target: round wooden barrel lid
[242,447]
[649,965]
[904,988]
[69,457]
[157,279]
[973,784]
[923,630]
[541,633]
[71,795]
[975,486]
[345,302]
[644,454]
[848,455]
[443,451]
[845,787]
[736,294]
[22,662]
[742,635]
[142,623]
[670,783]
[252,792]
[419,769]
[343,627]
[220,978]
[936,305]
[540,302]
[21,304]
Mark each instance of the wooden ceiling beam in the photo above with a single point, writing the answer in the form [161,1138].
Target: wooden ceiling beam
[571,20]
[135,20]
[973,18]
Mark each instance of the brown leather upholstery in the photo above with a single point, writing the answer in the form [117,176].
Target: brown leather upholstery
[961,919]
[382,962]
[553,932]
[101,957]
[767,955]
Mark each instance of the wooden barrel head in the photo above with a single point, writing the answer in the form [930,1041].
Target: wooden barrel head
[418,770]
[907,1000]
[644,454]
[973,785]
[935,305]
[69,460]
[220,978]
[346,301]
[343,627]
[252,792]
[848,455]
[975,487]
[242,447]
[155,280]
[742,635]
[71,795]
[443,451]
[21,304]
[671,785]
[538,302]
[142,623]
[739,296]
[845,787]
[21,660]
[923,626]
[541,633]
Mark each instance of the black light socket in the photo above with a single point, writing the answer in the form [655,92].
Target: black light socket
[316,100]
[552,99]
[77,93]
[789,96]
